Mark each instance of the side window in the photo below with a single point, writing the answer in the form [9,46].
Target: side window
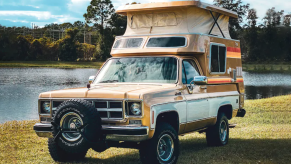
[189,71]
[218,58]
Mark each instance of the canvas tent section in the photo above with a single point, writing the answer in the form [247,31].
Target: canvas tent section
[184,17]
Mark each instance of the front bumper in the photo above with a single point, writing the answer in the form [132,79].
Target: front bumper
[113,133]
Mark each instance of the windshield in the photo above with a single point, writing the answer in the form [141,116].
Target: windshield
[139,70]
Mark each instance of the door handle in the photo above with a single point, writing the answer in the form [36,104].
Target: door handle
[178,94]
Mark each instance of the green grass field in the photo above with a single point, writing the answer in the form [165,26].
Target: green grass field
[263,136]
[52,64]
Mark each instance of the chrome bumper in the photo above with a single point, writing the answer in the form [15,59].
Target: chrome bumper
[113,133]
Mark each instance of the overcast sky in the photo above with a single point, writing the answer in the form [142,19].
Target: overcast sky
[41,12]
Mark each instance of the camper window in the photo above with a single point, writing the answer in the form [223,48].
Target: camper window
[128,43]
[218,58]
[168,42]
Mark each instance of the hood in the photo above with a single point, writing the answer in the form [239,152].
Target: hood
[109,91]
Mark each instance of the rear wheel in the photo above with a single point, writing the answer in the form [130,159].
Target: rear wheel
[218,135]
[163,148]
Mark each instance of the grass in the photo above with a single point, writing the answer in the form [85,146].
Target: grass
[52,64]
[263,136]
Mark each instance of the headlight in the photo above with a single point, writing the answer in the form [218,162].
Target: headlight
[135,109]
[45,107]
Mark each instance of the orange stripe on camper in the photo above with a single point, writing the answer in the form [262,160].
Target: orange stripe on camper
[240,80]
[224,80]
[220,80]
[233,52]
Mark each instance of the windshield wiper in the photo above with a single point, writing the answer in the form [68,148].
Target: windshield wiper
[109,81]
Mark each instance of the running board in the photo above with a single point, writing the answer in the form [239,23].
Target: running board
[232,125]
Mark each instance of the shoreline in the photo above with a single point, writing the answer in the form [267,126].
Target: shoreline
[49,64]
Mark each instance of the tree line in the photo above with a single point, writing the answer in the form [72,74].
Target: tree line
[265,40]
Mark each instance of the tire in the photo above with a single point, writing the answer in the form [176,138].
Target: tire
[59,155]
[218,135]
[149,152]
[100,147]
[71,115]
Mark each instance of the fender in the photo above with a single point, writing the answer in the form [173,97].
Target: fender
[178,107]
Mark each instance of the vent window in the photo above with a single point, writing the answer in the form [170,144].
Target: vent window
[167,42]
[128,43]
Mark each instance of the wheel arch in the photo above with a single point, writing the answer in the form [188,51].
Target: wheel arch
[227,109]
[168,117]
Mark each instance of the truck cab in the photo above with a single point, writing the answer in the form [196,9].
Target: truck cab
[174,71]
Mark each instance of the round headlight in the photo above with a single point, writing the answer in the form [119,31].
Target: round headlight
[135,109]
[46,106]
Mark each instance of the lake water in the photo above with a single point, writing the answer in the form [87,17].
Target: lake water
[20,87]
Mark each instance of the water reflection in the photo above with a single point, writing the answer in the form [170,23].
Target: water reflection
[20,88]
[264,85]
[259,92]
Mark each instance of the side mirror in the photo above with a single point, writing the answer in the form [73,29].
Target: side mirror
[91,79]
[200,80]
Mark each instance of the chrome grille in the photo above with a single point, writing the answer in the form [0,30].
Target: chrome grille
[109,110]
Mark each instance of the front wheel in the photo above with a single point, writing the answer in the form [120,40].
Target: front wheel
[163,148]
[59,155]
[218,135]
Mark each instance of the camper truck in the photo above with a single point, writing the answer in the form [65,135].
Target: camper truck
[176,70]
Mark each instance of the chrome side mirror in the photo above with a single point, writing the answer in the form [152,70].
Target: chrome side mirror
[91,79]
[200,80]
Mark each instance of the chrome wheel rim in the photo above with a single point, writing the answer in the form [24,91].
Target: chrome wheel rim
[165,147]
[223,131]
[71,121]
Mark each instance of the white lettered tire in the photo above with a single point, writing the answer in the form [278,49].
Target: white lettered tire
[163,148]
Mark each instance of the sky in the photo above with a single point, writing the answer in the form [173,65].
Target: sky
[42,12]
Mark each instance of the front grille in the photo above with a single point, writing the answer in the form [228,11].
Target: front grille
[110,109]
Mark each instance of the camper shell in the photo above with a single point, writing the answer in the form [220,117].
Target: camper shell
[206,88]
[202,25]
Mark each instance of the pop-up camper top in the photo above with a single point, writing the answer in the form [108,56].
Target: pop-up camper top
[181,17]
[190,25]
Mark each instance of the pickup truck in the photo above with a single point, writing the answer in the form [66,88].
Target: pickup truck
[165,79]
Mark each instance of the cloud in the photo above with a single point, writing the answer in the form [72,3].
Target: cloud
[78,6]
[16,20]
[40,15]
[37,7]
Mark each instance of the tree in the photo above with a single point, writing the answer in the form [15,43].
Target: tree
[99,13]
[252,17]
[23,47]
[7,46]
[79,24]
[273,18]
[287,20]
[251,36]
[118,24]
[35,51]
[236,6]
[104,44]
[69,45]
